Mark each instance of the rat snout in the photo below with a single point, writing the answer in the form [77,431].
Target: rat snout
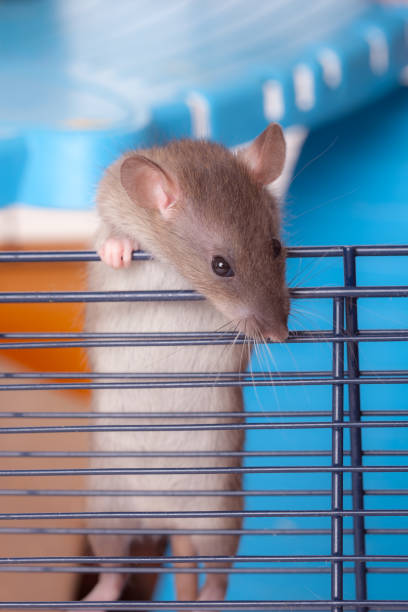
[276,331]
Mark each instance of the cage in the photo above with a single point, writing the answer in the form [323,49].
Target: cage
[325,459]
[325,496]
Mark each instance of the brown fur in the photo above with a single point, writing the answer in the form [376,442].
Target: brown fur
[222,210]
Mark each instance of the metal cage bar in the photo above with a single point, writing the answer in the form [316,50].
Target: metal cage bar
[337,459]
[353,367]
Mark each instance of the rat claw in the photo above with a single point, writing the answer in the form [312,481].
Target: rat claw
[127,253]
[117,252]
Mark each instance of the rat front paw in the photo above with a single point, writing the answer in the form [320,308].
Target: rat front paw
[117,252]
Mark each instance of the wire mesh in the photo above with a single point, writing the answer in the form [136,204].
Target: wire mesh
[345,503]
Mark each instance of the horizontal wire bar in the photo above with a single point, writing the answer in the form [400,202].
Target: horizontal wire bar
[183,493]
[294,336]
[194,427]
[202,335]
[187,338]
[39,297]
[189,375]
[19,297]
[204,559]
[210,570]
[158,493]
[281,469]
[296,252]
[332,292]
[378,570]
[166,532]
[204,384]
[166,375]
[167,415]
[190,384]
[210,338]
[125,570]
[144,337]
[197,514]
[81,454]
[123,454]
[338,251]
[59,256]
[238,606]
[278,414]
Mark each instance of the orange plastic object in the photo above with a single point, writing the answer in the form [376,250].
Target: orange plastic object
[44,317]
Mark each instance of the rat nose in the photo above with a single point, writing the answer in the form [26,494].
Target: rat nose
[278,333]
[274,330]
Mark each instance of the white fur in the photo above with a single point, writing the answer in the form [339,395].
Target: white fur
[163,317]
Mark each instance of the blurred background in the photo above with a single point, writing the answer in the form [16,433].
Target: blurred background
[84,80]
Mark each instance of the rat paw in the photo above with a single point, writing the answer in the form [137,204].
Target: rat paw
[117,252]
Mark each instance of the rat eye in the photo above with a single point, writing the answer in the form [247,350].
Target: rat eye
[276,246]
[221,267]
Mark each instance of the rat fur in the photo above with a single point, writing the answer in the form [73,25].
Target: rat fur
[185,203]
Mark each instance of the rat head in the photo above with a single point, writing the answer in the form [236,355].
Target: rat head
[211,216]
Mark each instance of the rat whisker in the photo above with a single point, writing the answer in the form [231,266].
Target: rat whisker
[233,322]
[380,314]
[306,388]
[269,351]
[251,342]
[325,203]
[313,160]
[229,347]
[297,319]
[310,314]
[299,271]
[256,351]
[268,368]
[322,342]
[245,348]
[245,345]
[310,266]
[266,361]
[303,327]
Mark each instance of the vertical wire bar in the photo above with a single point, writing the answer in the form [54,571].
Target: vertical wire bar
[337,456]
[353,365]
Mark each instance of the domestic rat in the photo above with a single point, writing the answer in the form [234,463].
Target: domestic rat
[210,224]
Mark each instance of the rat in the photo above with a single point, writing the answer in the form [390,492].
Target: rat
[206,217]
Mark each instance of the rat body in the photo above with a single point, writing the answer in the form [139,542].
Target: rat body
[204,215]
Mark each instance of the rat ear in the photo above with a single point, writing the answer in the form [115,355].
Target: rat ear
[148,185]
[265,156]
